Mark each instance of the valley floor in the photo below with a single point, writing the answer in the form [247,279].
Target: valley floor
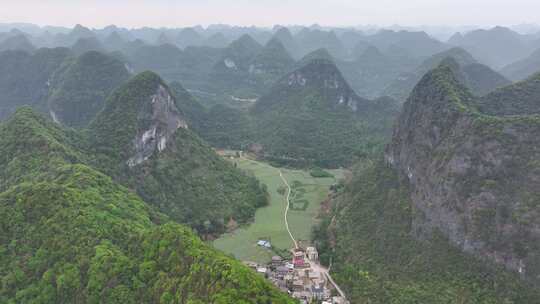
[306,197]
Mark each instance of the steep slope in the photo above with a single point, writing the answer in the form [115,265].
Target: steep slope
[33,147]
[194,113]
[318,54]
[415,44]
[67,40]
[144,141]
[368,237]
[71,234]
[217,40]
[237,56]
[163,39]
[369,73]
[114,42]
[479,78]
[496,47]
[472,164]
[24,78]
[352,39]
[18,42]
[523,68]
[163,59]
[520,98]
[271,63]
[230,75]
[372,70]
[284,35]
[78,89]
[310,40]
[188,37]
[313,116]
[84,45]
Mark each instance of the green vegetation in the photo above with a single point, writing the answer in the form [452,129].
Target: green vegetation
[305,121]
[193,185]
[300,126]
[73,235]
[18,42]
[269,220]
[523,68]
[81,85]
[377,260]
[520,98]
[271,63]
[24,77]
[479,78]
[186,181]
[72,89]
[318,172]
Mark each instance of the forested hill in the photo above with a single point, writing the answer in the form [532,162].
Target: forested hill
[471,162]
[24,77]
[451,213]
[142,140]
[479,78]
[71,88]
[79,88]
[72,235]
[312,116]
[368,237]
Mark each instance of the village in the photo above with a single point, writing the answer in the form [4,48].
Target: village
[297,271]
[302,277]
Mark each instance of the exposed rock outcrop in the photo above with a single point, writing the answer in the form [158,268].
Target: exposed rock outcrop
[324,75]
[473,173]
[312,116]
[164,120]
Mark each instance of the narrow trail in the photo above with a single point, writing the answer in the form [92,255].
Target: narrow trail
[287,208]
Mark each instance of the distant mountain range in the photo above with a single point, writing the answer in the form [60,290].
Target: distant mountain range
[110,184]
[479,78]
[372,62]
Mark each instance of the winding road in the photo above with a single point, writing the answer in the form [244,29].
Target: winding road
[287,208]
[314,264]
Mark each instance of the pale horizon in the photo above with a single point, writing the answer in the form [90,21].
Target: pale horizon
[266,13]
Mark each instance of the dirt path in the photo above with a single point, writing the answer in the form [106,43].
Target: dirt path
[287,208]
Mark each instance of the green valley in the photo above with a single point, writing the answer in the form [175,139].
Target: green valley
[71,234]
[306,197]
[150,162]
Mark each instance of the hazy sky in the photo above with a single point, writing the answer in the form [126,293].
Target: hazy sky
[177,13]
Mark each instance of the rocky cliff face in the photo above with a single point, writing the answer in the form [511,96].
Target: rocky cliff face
[323,75]
[473,173]
[312,116]
[164,119]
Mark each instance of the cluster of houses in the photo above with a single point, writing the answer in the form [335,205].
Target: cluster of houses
[301,277]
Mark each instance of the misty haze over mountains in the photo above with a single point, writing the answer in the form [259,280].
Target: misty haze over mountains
[286,164]
[373,60]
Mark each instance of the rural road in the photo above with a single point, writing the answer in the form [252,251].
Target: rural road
[314,264]
[287,208]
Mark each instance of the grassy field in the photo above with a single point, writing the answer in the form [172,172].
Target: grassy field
[306,197]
